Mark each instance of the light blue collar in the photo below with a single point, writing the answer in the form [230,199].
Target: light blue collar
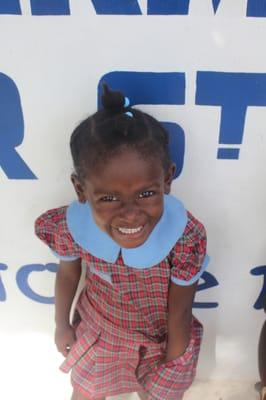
[162,239]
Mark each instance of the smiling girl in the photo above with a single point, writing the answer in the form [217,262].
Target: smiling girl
[133,328]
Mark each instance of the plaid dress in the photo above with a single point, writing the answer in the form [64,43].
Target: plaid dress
[121,316]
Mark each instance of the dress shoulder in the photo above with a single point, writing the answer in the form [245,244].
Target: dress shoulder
[51,228]
[188,257]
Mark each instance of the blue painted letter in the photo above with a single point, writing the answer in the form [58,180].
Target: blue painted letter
[117,7]
[23,281]
[261,300]
[168,7]
[173,7]
[233,92]
[10,7]
[209,282]
[153,88]
[215,4]
[50,7]
[3,267]
[256,8]
[11,131]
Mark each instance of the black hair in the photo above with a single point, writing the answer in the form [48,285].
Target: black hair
[115,127]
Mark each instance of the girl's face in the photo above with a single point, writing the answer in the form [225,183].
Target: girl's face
[126,196]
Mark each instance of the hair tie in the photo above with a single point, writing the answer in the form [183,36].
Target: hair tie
[126,104]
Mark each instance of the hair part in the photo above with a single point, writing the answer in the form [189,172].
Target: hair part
[110,130]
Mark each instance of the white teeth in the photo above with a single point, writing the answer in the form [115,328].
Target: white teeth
[128,231]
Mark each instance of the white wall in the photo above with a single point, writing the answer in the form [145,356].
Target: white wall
[56,63]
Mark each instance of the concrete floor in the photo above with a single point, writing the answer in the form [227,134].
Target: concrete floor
[212,390]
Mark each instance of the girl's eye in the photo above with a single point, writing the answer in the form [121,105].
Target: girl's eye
[147,193]
[109,198]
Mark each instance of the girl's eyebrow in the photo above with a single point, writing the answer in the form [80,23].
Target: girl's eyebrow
[104,192]
[152,185]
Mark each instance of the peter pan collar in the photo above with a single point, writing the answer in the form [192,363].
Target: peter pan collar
[156,248]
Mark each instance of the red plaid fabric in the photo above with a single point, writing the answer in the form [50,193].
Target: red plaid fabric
[51,228]
[122,310]
[189,252]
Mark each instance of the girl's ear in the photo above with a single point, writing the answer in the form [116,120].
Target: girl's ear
[78,188]
[168,178]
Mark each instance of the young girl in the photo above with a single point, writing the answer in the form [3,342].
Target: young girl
[133,328]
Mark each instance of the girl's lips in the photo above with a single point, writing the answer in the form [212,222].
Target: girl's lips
[131,235]
[130,231]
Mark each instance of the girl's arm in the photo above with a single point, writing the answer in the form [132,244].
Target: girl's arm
[67,279]
[180,300]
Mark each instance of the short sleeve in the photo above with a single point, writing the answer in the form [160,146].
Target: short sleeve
[51,228]
[188,257]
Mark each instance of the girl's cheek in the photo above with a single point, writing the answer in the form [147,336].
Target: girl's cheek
[104,211]
[102,216]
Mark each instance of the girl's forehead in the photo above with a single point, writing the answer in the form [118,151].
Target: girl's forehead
[128,159]
[127,170]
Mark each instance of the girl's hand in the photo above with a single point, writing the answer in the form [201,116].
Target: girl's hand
[180,300]
[64,339]
[164,359]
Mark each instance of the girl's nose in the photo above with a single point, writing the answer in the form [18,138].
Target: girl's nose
[129,212]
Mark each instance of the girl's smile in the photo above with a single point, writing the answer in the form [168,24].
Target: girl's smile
[128,231]
[130,234]
[126,196]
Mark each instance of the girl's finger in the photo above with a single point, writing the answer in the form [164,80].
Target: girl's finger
[65,351]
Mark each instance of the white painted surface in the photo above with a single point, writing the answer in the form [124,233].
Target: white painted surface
[56,63]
